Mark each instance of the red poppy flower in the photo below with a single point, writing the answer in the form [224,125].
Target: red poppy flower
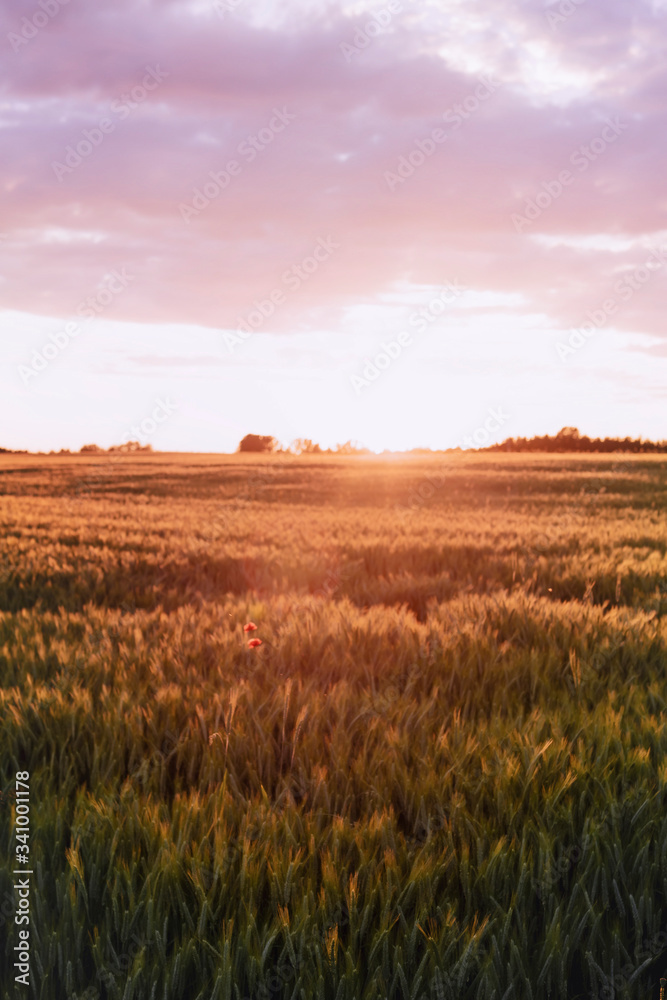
[254,643]
[250,627]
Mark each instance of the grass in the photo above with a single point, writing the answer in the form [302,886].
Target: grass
[442,775]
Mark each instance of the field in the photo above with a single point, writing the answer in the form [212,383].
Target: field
[440,776]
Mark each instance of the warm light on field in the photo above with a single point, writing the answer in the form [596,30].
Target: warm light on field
[442,756]
[333,481]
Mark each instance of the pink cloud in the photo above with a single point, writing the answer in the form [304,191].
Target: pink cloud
[324,174]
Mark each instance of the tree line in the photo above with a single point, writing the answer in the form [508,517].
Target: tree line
[265,443]
[570,440]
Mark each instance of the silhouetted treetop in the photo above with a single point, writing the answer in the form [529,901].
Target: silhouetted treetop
[258,443]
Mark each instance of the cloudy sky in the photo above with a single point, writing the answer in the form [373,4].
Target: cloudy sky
[391,222]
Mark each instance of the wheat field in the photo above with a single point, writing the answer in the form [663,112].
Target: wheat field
[441,775]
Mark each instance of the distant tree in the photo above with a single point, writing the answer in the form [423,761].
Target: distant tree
[258,443]
[88,448]
[569,432]
[351,448]
[304,446]
[131,446]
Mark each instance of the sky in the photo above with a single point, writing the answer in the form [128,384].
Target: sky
[407,223]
